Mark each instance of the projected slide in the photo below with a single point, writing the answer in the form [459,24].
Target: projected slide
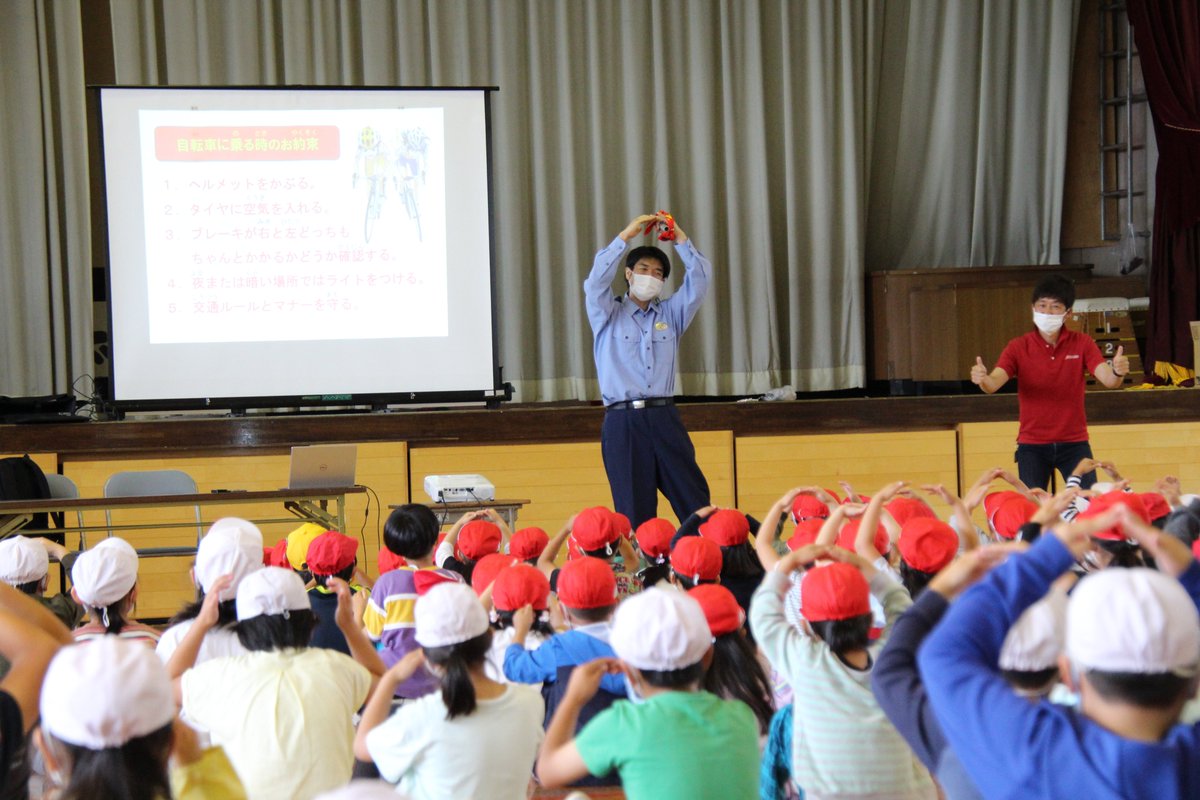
[292,242]
[313,224]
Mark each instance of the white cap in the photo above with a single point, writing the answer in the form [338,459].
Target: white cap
[1133,620]
[22,560]
[105,573]
[363,790]
[102,693]
[232,546]
[449,613]
[1035,641]
[660,629]
[271,590]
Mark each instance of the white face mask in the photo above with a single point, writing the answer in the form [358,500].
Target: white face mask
[1048,323]
[645,287]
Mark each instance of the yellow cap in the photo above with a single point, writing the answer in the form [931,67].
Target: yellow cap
[298,542]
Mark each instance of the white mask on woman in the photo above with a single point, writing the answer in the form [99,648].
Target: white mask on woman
[645,287]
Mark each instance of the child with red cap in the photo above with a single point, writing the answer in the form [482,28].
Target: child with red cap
[517,586]
[828,663]
[735,672]
[653,540]
[473,536]
[695,560]
[730,529]
[332,555]
[527,544]
[594,531]
[675,740]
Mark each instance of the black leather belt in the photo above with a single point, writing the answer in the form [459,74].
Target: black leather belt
[649,402]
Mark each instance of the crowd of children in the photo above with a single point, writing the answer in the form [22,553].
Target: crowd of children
[865,648]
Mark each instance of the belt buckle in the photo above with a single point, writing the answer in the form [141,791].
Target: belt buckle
[638,404]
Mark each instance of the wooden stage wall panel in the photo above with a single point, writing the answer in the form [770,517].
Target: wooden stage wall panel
[767,466]
[1144,453]
[164,582]
[560,479]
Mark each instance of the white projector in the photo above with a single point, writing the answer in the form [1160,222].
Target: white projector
[459,489]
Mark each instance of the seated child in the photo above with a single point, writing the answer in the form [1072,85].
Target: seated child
[735,671]
[298,542]
[232,546]
[332,555]
[677,741]
[516,587]
[25,564]
[292,733]
[1132,652]
[828,664]
[593,531]
[730,529]
[527,544]
[410,532]
[695,560]
[477,738]
[109,727]
[105,583]
[653,540]
[475,535]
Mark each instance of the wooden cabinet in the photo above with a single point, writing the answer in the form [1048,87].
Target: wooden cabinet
[930,324]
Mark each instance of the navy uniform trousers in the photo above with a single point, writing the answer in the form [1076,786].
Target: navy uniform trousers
[647,449]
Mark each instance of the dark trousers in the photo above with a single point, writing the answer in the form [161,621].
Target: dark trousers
[1036,463]
[647,449]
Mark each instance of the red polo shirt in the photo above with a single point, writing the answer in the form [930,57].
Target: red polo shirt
[1050,383]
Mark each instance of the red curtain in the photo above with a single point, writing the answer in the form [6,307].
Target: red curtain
[1167,35]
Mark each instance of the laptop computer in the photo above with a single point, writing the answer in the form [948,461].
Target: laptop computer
[322,466]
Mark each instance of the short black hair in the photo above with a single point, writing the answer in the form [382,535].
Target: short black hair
[345,573]
[30,587]
[740,561]
[268,632]
[1148,690]
[1037,680]
[685,582]
[674,678]
[649,251]
[411,531]
[915,580]
[1055,287]
[589,616]
[844,634]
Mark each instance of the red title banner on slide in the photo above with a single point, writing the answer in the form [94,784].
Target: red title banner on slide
[254,143]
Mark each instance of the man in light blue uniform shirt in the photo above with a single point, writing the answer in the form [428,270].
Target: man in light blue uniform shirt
[644,443]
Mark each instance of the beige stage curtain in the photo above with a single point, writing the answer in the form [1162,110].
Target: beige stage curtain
[45,276]
[777,131]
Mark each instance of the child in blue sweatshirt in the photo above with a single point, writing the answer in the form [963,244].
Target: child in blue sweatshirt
[1132,652]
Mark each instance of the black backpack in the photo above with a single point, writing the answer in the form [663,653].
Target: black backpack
[22,479]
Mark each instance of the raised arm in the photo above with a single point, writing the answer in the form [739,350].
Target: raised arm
[549,554]
[990,382]
[29,637]
[864,541]
[764,541]
[1113,375]
[360,646]
[968,537]
[597,287]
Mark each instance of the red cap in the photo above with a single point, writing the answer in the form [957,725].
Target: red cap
[992,502]
[721,609]
[1156,505]
[389,561]
[593,528]
[1196,548]
[487,568]
[1010,514]
[330,553]
[845,538]
[520,585]
[726,526]
[805,533]
[478,538]
[528,543]
[622,525]
[587,582]
[697,559]
[654,537]
[832,592]
[276,556]
[573,549]
[805,506]
[1108,501]
[903,509]
[927,544]
[426,579]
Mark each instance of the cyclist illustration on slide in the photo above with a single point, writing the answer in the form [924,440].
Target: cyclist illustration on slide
[372,161]
[405,163]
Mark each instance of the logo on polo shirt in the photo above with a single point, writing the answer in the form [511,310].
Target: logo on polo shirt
[1075,355]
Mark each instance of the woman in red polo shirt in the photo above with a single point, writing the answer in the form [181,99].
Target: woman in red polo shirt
[1049,363]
